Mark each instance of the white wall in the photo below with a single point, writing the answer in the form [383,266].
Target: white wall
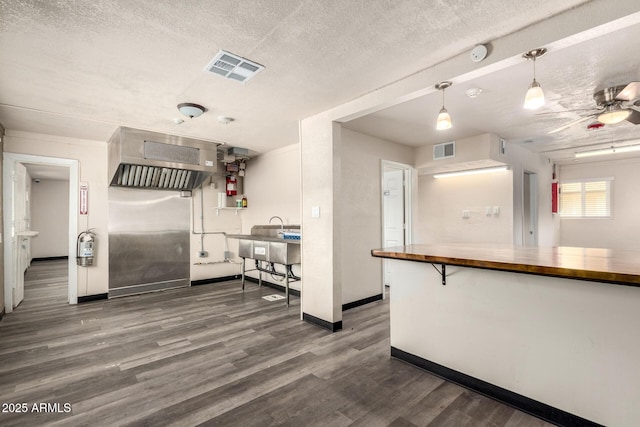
[442,201]
[361,210]
[216,221]
[92,157]
[50,217]
[272,187]
[622,230]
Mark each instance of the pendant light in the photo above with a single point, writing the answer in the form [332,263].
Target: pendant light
[535,97]
[444,120]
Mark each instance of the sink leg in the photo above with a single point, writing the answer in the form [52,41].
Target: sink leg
[286,284]
[244,260]
[260,278]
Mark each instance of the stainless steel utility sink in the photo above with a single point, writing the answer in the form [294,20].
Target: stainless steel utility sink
[266,244]
[263,244]
[269,249]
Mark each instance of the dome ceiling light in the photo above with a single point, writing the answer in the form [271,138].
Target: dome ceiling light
[191,110]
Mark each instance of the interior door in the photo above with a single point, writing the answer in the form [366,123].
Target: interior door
[393,210]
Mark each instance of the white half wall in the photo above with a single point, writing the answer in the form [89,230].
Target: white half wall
[622,230]
[566,343]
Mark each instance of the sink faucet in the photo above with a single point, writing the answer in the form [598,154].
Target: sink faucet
[281,221]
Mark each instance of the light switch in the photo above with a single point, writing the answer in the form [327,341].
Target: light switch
[487,210]
[315,212]
[496,210]
[466,213]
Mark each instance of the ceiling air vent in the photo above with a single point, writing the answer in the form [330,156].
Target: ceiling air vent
[234,67]
[444,150]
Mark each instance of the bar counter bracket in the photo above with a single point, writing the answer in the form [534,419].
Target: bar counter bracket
[442,273]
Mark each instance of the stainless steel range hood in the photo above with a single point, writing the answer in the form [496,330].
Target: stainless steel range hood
[155,161]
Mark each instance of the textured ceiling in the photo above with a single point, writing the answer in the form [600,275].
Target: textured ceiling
[569,77]
[83,68]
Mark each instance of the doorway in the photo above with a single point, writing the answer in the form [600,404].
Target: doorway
[530,209]
[396,211]
[17,225]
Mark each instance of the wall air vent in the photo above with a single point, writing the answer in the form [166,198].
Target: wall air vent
[444,150]
[234,67]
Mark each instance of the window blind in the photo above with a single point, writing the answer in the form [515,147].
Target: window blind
[586,199]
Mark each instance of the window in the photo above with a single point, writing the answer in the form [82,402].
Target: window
[586,199]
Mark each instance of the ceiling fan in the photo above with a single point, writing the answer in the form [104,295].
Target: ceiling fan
[614,104]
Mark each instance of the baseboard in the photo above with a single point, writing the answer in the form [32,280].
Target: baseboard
[281,288]
[96,297]
[1,314]
[333,327]
[214,280]
[515,400]
[148,287]
[50,258]
[360,302]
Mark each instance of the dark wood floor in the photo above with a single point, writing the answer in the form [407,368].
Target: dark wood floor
[212,355]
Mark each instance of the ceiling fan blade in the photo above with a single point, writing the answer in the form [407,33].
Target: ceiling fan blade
[575,122]
[563,111]
[630,92]
[634,117]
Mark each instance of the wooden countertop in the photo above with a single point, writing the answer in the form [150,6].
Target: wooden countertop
[601,265]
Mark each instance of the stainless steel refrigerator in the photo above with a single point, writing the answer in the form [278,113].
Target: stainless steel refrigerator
[149,241]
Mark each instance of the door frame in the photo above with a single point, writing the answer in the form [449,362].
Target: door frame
[408,176]
[9,162]
[530,180]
